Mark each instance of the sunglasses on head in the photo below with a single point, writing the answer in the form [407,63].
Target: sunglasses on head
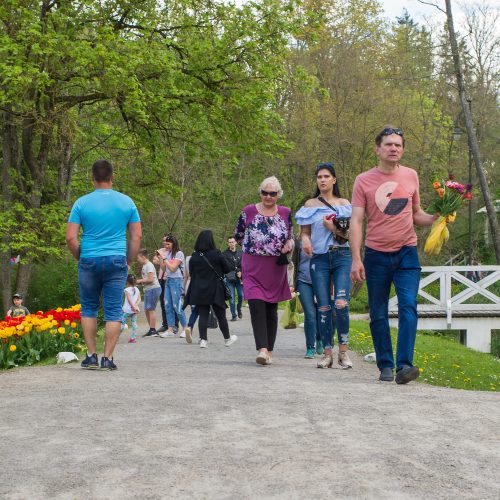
[390,131]
[269,193]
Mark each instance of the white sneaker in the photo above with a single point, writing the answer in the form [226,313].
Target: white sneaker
[203,343]
[231,340]
[182,335]
[189,335]
[166,334]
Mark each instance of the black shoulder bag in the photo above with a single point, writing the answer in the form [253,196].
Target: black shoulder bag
[227,292]
[341,223]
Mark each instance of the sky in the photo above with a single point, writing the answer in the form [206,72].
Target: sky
[418,11]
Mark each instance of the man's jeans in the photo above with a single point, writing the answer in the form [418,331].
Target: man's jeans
[106,275]
[335,265]
[236,288]
[173,301]
[403,269]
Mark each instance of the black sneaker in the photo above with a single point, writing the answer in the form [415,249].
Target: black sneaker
[107,364]
[240,315]
[151,333]
[233,318]
[90,362]
[164,328]
[406,374]
[386,375]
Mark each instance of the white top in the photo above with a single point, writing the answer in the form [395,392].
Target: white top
[146,269]
[135,294]
[179,272]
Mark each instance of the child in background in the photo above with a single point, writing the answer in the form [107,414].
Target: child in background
[17,309]
[131,307]
[152,291]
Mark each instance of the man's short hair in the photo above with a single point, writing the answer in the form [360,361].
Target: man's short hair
[389,130]
[102,171]
[143,252]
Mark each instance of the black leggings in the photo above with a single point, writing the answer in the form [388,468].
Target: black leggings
[264,316]
[220,313]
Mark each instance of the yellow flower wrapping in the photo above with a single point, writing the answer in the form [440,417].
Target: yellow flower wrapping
[438,237]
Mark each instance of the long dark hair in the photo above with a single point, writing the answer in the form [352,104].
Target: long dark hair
[331,169]
[205,241]
[175,243]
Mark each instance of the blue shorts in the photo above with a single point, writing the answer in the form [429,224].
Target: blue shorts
[151,298]
[106,276]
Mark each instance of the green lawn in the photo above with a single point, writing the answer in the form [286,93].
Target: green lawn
[443,361]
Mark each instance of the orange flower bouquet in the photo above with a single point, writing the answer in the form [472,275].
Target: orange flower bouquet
[450,196]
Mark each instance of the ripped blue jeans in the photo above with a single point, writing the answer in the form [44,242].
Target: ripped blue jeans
[333,267]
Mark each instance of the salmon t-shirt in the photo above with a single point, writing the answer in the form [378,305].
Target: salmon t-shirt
[388,200]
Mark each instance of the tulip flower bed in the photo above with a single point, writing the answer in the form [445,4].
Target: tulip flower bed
[30,339]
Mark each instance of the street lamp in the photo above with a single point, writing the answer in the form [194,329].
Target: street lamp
[469,257]
[457,134]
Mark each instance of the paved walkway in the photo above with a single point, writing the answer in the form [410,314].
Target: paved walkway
[177,421]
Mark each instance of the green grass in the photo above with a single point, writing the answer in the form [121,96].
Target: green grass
[442,360]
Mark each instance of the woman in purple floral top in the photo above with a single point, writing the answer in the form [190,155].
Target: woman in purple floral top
[264,231]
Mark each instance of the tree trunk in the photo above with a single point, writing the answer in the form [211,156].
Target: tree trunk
[10,159]
[23,278]
[473,144]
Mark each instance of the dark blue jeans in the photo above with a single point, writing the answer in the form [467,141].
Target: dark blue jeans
[236,289]
[403,269]
[306,297]
[333,266]
[193,316]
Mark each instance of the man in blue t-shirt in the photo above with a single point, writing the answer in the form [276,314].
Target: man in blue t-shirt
[103,258]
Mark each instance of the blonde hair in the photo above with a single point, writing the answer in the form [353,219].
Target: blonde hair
[274,182]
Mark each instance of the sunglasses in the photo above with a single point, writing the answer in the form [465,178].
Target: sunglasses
[269,193]
[390,131]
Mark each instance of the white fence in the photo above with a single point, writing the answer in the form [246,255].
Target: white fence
[451,310]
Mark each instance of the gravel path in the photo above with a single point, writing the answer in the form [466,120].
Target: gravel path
[177,421]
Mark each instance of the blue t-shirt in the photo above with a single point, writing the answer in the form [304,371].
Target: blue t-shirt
[104,216]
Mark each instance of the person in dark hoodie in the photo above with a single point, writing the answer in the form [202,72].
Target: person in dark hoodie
[206,290]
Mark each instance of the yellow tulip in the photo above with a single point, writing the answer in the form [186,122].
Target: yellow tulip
[66,322]
[73,325]
[12,348]
[61,330]
[437,238]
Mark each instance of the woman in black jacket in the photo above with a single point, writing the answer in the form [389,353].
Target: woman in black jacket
[205,288]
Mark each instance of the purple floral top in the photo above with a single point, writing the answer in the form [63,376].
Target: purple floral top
[261,235]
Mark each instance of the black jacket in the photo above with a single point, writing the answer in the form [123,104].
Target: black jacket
[234,261]
[205,287]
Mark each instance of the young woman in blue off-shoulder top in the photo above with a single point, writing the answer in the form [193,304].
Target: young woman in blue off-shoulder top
[323,238]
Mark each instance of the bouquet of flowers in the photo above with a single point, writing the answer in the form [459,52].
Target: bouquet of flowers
[450,196]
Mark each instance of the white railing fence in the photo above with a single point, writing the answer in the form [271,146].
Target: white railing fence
[467,300]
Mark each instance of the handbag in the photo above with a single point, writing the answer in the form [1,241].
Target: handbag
[341,223]
[227,291]
[283,259]
[212,320]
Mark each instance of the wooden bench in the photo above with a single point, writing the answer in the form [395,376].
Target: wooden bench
[450,311]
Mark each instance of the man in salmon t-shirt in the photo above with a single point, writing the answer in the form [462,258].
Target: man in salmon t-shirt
[388,196]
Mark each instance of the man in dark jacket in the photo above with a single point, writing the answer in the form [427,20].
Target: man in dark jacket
[233,278]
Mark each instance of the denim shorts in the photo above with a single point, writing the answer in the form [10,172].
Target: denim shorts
[106,276]
[151,298]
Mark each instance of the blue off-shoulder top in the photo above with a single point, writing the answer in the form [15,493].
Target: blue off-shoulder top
[321,238]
